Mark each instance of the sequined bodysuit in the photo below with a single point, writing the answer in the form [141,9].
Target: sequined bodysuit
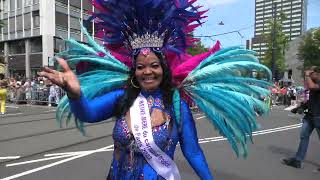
[128,162]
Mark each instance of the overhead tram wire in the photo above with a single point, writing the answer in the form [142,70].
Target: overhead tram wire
[230,32]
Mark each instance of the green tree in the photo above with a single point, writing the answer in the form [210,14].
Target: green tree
[309,49]
[198,48]
[275,38]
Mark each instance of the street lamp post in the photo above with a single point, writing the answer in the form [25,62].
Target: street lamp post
[273,60]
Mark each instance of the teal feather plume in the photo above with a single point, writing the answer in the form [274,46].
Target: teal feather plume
[109,73]
[230,100]
[177,106]
[229,53]
[93,43]
[226,69]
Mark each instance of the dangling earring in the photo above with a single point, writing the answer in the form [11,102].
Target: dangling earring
[134,84]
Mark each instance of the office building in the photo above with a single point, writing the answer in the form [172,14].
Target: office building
[34,31]
[293,26]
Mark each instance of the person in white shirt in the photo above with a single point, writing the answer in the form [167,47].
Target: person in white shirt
[54,94]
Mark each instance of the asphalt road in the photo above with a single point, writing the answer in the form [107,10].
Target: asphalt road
[32,147]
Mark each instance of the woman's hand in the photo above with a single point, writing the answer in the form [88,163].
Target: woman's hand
[67,80]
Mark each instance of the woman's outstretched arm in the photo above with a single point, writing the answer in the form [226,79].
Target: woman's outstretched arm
[190,146]
[98,109]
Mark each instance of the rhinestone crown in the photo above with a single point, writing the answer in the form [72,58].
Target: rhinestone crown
[146,40]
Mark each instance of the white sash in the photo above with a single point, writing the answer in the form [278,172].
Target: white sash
[142,132]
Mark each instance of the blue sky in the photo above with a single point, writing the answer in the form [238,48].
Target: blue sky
[239,14]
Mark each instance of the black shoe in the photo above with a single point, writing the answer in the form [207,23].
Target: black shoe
[292,162]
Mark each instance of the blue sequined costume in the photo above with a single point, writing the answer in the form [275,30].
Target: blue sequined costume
[128,162]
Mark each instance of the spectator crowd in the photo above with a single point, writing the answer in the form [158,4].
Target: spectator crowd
[33,91]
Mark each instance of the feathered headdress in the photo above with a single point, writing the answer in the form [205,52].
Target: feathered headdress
[126,26]
[219,82]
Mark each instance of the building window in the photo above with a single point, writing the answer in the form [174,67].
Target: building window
[295,34]
[285,8]
[296,6]
[17,47]
[75,3]
[62,20]
[5,5]
[63,1]
[19,23]
[296,24]
[268,15]
[35,1]
[59,45]
[296,10]
[12,24]
[19,4]
[269,11]
[27,2]
[295,29]
[12,5]
[296,15]
[87,5]
[5,27]
[75,25]
[36,45]
[36,19]
[27,21]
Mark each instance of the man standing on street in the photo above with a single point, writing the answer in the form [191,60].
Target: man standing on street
[311,120]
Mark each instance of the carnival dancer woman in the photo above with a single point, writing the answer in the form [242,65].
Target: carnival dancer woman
[144,79]
[150,80]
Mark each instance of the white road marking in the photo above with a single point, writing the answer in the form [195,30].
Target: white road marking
[38,160]
[9,157]
[12,114]
[201,117]
[75,153]
[53,110]
[79,154]
[54,164]
[267,131]
[14,107]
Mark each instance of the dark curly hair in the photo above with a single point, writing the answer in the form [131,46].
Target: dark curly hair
[131,93]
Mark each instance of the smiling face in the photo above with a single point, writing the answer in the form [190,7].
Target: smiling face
[149,72]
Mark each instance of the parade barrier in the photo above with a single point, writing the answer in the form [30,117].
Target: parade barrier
[40,96]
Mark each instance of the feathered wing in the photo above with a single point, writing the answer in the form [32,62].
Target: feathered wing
[230,98]
[108,72]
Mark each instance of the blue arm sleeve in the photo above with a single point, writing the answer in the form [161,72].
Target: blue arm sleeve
[190,146]
[98,109]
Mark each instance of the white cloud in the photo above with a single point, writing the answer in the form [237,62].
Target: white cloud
[214,3]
